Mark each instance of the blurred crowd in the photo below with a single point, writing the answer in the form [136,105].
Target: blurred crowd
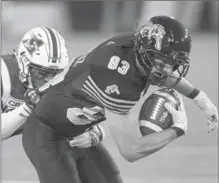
[105,16]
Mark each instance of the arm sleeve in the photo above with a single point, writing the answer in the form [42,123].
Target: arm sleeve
[186,88]
[13,120]
[183,86]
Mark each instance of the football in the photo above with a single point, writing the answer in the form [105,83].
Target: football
[153,115]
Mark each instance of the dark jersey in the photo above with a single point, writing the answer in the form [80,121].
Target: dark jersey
[110,75]
[106,77]
[12,90]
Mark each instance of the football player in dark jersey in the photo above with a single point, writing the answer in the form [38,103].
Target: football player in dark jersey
[105,84]
[41,55]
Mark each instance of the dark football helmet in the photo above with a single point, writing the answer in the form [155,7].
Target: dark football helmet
[166,39]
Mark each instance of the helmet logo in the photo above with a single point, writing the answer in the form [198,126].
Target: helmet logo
[155,31]
[32,44]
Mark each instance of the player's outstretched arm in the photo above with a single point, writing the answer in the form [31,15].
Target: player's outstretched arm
[133,146]
[135,149]
[12,120]
[202,100]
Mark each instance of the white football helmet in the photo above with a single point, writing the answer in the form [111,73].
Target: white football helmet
[44,49]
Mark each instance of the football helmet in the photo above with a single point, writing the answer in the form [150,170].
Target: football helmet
[41,49]
[166,39]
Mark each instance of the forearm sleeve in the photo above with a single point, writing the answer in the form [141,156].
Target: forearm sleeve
[12,120]
[186,88]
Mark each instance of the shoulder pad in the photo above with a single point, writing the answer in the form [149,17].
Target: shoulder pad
[5,81]
[125,41]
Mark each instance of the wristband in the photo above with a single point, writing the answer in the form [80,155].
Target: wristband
[103,135]
[94,138]
[194,93]
[99,131]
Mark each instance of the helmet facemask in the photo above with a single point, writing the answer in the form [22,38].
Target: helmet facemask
[166,67]
[156,44]
[23,64]
[38,76]
[41,55]
[34,76]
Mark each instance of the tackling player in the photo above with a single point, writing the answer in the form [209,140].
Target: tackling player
[21,74]
[107,83]
[41,55]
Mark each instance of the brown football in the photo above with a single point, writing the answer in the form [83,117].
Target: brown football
[153,115]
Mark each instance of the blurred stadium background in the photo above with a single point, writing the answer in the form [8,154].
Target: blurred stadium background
[84,24]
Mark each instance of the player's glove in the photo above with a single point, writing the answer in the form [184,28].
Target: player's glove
[209,108]
[92,137]
[31,98]
[180,122]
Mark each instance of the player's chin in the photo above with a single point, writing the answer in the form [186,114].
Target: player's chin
[157,78]
[37,84]
[158,75]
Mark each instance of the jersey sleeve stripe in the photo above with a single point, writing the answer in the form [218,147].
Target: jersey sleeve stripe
[97,94]
[6,82]
[117,109]
[110,98]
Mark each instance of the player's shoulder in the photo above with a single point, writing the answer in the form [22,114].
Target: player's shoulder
[116,46]
[11,87]
[10,61]
[124,40]
[119,43]
[7,69]
[9,58]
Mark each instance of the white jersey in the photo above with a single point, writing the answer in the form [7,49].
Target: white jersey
[12,94]
[12,90]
